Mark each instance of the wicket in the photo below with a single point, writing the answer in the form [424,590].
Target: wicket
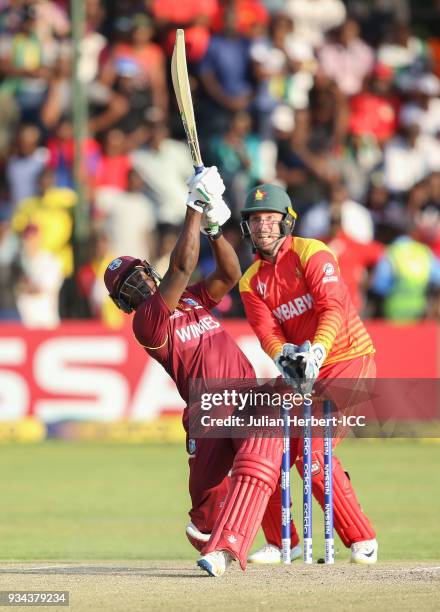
[285,490]
[328,485]
[307,487]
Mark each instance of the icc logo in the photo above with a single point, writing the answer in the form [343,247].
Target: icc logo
[328,269]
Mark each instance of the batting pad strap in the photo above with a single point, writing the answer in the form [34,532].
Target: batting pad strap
[350,522]
[196,537]
[254,476]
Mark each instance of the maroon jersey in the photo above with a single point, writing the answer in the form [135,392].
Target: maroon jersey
[189,342]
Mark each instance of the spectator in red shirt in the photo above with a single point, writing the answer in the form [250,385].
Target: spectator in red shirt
[374,111]
[247,14]
[355,258]
[193,15]
[114,165]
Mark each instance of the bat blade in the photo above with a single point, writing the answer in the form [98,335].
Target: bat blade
[182,90]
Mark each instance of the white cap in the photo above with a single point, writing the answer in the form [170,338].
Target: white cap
[298,49]
[356,221]
[283,118]
[410,115]
[428,84]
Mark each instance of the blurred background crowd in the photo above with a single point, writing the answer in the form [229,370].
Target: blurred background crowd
[339,102]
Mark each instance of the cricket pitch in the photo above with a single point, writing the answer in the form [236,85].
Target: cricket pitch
[179,585]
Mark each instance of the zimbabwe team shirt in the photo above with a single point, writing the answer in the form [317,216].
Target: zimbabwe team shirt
[302,297]
[189,342]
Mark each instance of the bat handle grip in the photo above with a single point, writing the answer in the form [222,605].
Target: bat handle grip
[199,169]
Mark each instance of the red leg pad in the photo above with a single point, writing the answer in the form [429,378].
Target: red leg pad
[350,522]
[271,522]
[254,477]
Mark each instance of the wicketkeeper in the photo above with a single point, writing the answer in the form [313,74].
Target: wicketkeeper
[296,302]
[174,324]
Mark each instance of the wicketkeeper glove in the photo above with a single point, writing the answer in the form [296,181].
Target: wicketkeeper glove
[301,363]
[286,361]
[214,218]
[204,189]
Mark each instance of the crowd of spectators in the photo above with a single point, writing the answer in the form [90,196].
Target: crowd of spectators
[339,102]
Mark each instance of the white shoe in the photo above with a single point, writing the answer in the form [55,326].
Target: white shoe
[271,555]
[364,552]
[215,563]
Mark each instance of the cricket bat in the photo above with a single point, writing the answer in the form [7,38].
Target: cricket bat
[179,75]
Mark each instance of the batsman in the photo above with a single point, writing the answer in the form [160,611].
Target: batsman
[173,323]
[297,304]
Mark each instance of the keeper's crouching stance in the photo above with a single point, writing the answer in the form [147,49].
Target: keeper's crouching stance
[298,305]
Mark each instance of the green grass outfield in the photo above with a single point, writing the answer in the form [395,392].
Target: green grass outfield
[78,501]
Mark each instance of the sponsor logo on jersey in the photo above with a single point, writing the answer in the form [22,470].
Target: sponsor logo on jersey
[293,308]
[196,329]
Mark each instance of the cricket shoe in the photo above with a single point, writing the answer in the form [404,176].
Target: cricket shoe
[271,555]
[215,563]
[364,552]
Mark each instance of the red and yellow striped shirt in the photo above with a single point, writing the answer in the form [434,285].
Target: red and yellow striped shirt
[302,297]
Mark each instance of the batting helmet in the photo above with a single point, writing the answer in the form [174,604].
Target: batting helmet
[117,273]
[270,198]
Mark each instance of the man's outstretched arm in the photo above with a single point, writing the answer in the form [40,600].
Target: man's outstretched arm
[227,271]
[204,188]
[183,260]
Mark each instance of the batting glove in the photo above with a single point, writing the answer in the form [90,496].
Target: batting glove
[204,188]
[214,218]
